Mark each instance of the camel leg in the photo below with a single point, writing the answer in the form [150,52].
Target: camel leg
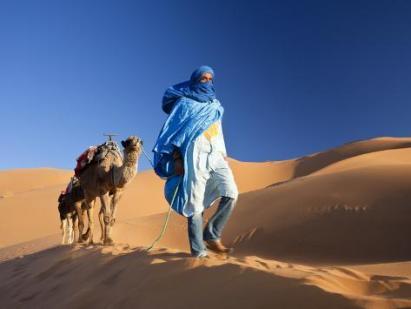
[113,209]
[69,228]
[80,218]
[90,215]
[105,199]
[86,235]
[114,201]
[75,228]
[63,227]
[101,220]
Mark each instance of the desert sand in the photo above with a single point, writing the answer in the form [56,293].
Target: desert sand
[328,230]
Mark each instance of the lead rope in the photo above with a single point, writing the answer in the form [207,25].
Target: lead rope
[169,210]
[167,219]
[148,158]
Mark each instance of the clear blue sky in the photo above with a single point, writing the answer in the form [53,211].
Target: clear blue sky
[295,77]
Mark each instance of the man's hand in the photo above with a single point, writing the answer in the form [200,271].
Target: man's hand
[179,167]
[178,163]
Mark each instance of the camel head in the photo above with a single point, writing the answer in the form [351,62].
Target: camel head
[132,144]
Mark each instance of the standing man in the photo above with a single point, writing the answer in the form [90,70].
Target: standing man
[190,153]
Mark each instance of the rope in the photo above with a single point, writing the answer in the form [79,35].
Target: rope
[166,221]
[169,210]
[148,158]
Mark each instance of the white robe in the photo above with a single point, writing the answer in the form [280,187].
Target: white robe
[210,177]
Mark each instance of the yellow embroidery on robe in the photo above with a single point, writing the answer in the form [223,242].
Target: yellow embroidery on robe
[212,131]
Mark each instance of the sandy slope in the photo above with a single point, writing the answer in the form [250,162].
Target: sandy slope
[361,214]
[121,277]
[345,212]
[26,180]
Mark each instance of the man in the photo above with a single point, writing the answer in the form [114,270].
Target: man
[190,152]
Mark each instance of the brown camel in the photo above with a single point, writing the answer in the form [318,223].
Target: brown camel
[68,219]
[106,179]
[67,210]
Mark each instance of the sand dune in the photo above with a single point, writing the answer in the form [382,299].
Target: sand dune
[122,277]
[362,214]
[35,191]
[26,180]
[387,157]
[309,164]
[330,230]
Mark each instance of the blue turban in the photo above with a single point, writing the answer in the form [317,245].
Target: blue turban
[192,89]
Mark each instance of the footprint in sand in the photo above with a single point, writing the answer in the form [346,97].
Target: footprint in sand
[19,269]
[54,270]
[112,279]
[28,298]
[263,264]
[55,288]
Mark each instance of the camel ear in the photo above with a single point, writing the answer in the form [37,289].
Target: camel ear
[123,143]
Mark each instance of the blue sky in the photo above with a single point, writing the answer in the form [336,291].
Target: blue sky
[295,77]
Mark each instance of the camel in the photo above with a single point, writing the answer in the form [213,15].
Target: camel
[106,180]
[69,220]
[68,213]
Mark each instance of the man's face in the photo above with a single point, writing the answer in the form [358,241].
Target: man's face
[206,77]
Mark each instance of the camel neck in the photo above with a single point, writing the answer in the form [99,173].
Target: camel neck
[130,158]
[126,172]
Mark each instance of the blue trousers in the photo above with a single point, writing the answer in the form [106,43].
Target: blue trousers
[213,229]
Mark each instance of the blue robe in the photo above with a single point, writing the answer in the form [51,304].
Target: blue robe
[187,120]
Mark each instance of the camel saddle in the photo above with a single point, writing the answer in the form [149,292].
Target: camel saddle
[95,154]
[73,191]
[85,159]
